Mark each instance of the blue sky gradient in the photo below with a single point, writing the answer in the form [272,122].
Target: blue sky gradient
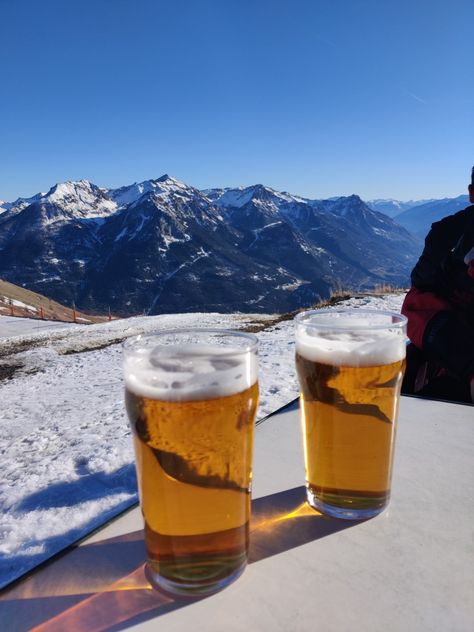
[316,97]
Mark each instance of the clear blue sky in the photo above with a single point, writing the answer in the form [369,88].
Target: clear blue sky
[316,97]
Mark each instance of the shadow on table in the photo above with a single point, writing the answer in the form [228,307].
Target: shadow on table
[102,586]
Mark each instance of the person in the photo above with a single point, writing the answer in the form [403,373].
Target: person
[440,311]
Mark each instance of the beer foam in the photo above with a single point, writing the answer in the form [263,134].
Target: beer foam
[354,348]
[185,373]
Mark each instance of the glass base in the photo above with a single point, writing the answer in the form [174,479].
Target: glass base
[345,507]
[190,588]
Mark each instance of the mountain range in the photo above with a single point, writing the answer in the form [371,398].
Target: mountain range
[162,246]
[394,208]
[418,219]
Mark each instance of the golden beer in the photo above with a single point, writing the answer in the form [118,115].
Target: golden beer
[194,465]
[349,409]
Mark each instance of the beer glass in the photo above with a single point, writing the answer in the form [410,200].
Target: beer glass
[191,397]
[350,365]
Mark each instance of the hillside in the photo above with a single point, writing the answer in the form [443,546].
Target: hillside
[23,303]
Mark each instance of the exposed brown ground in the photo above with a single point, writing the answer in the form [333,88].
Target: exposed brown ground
[39,306]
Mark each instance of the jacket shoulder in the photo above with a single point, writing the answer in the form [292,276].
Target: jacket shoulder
[428,273]
[451,224]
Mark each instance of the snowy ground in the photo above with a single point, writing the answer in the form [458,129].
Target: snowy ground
[67,461]
[11,326]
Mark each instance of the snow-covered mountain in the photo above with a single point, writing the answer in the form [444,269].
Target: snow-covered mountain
[161,246]
[19,204]
[166,187]
[65,201]
[80,199]
[240,196]
[392,208]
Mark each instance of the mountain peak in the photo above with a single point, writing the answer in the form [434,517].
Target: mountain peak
[170,181]
[348,205]
[240,196]
[70,187]
[162,186]
[78,197]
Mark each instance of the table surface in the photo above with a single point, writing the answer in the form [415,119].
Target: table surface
[410,568]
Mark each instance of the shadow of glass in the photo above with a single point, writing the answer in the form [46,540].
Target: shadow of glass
[284,520]
[49,548]
[88,487]
[102,586]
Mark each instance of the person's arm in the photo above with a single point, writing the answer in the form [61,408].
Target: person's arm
[438,330]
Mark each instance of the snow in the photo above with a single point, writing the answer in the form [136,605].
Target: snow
[256,232]
[170,239]
[165,187]
[87,200]
[55,277]
[290,286]
[240,196]
[122,233]
[402,205]
[67,461]
[79,197]
[19,204]
[381,232]
[17,303]
[201,253]
[13,326]
[128,194]
[6,304]
[235,197]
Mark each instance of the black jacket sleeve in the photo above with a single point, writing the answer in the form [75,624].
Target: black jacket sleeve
[440,268]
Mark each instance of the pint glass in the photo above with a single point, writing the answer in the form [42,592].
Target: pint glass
[191,397]
[350,366]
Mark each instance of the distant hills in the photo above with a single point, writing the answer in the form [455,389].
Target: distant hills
[418,216]
[392,208]
[162,246]
[418,219]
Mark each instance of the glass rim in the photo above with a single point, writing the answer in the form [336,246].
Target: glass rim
[399,323]
[130,344]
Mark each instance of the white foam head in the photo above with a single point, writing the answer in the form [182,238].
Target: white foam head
[357,339]
[189,372]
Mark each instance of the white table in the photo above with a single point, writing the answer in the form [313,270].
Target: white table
[409,569]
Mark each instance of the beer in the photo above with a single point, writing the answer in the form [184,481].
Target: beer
[192,410]
[350,384]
